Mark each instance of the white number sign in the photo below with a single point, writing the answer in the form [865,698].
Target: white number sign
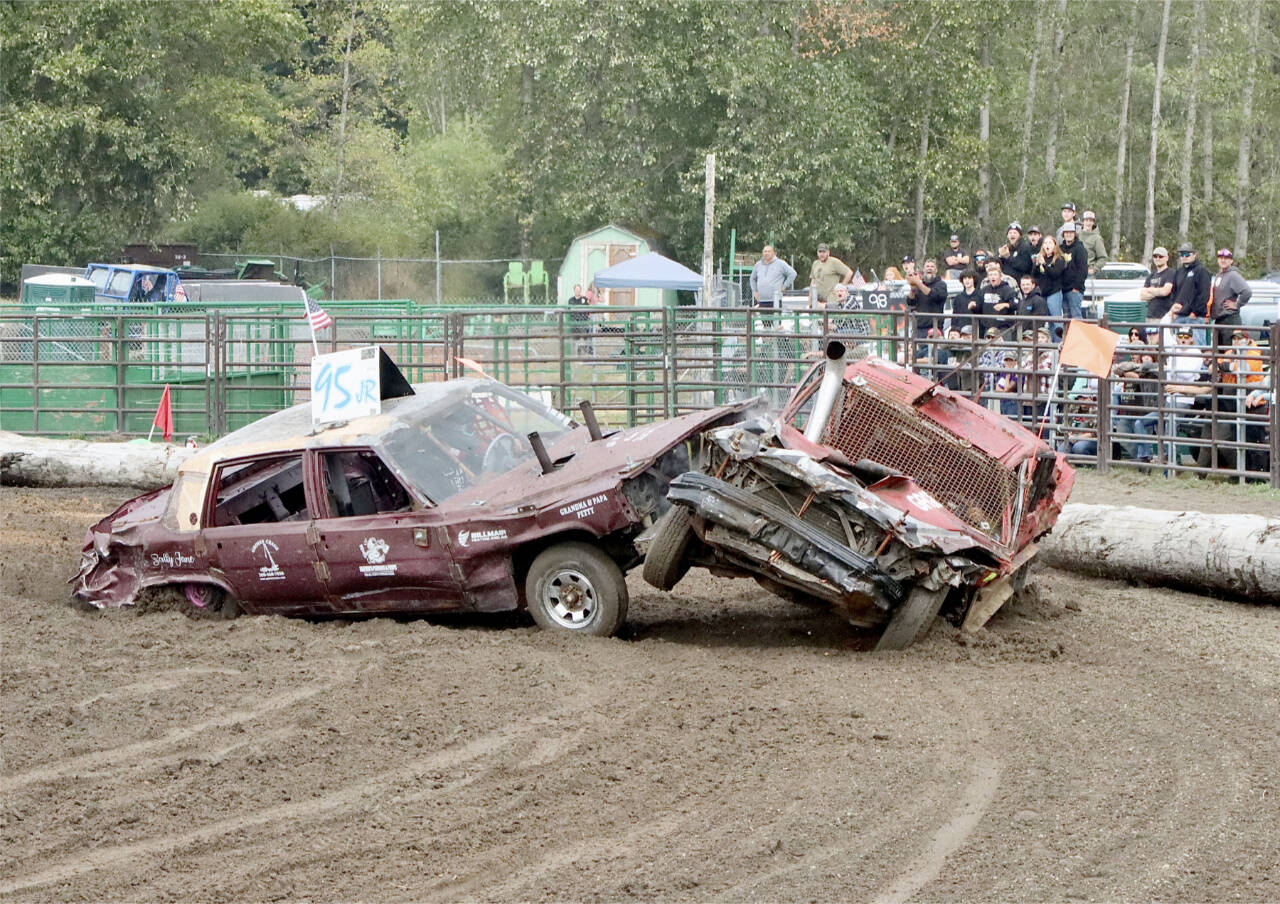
[345,385]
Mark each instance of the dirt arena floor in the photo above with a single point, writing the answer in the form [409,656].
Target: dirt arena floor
[1098,742]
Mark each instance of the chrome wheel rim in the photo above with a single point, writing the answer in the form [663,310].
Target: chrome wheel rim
[569,598]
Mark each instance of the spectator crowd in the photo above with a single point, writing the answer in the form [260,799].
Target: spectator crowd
[1189,387]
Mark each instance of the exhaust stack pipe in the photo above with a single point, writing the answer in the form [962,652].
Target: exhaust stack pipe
[540,450]
[828,392]
[589,418]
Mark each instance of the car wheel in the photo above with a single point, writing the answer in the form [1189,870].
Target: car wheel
[209,601]
[575,587]
[913,619]
[667,560]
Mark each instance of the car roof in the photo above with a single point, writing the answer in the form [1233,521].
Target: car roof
[291,431]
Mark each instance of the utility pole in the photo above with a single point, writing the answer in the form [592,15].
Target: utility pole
[708,223]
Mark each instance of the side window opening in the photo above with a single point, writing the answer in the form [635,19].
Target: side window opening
[358,483]
[260,492]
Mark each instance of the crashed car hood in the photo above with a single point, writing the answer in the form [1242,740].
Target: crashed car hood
[896,503]
[584,466]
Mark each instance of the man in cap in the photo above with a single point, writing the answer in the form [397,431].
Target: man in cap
[770,277]
[826,272]
[1228,293]
[1034,236]
[1015,253]
[1157,290]
[955,258]
[1092,239]
[1191,284]
[1068,216]
[1077,271]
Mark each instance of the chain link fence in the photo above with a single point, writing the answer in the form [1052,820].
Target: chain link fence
[425,280]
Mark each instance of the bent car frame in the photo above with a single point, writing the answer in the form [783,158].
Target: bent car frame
[875,491]
[464,495]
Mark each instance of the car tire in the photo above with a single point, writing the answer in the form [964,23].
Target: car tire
[576,588]
[913,619]
[208,601]
[667,560]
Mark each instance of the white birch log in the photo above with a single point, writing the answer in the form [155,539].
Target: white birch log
[1236,555]
[31,461]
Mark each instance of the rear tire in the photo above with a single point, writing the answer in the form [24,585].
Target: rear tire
[668,558]
[576,588]
[913,619]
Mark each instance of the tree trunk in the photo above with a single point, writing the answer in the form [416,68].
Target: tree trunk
[1207,145]
[984,148]
[1122,147]
[1188,138]
[336,201]
[30,461]
[920,179]
[1235,554]
[1055,103]
[1149,227]
[1028,115]
[524,213]
[1243,183]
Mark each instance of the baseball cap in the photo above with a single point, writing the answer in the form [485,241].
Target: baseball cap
[1088,215]
[1070,205]
[1068,226]
[1035,229]
[1224,252]
[1184,331]
[954,238]
[1161,251]
[822,246]
[1015,225]
[908,259]
[1186,248]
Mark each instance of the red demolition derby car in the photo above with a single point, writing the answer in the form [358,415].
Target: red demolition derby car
[462,495]
[876,491]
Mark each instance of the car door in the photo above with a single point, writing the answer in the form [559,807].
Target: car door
[380,552]
[259,532]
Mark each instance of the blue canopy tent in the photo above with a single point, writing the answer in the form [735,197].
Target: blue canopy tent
[649,271]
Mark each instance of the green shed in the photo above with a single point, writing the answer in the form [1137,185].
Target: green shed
[598,250]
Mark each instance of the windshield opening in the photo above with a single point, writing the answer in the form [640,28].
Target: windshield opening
[471,439]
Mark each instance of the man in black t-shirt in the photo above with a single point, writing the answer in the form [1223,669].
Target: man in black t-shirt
[999,297]
[927,298]
[955,258]
[1157,291]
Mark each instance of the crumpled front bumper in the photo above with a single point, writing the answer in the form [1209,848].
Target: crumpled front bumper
[773,534]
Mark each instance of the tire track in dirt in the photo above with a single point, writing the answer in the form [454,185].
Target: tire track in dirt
[166,680]
[484,746]
[140,753]
[977,796]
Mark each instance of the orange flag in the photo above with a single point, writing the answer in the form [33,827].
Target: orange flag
[164,415]
[1090,347]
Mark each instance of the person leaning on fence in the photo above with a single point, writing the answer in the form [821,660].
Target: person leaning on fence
[770,277]
[968,302]
[1135,397]
[1031,304]
[1245,366]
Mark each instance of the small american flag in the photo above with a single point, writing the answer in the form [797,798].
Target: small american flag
[316,315]
[858,281]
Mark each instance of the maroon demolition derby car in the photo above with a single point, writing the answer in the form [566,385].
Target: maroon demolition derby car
[462,495]
[875,491]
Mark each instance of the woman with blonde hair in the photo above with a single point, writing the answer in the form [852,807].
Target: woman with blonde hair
[1047,267]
